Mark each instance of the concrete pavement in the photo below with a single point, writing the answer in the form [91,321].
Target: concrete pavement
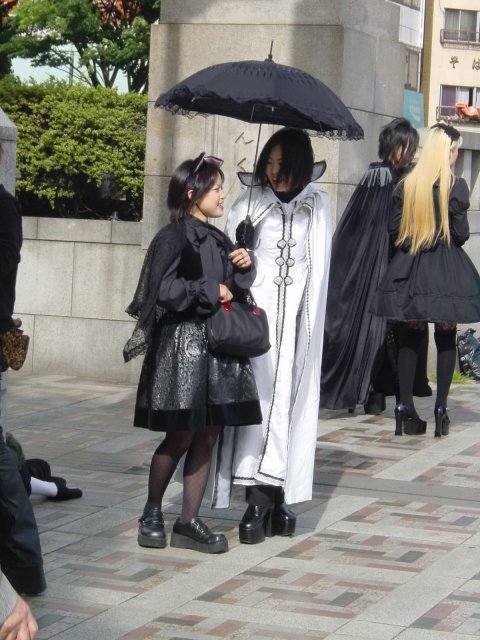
[388,548]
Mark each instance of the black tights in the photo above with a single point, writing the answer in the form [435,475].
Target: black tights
[411,336]
[198,446]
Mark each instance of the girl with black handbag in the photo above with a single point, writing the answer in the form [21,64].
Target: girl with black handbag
[191,268]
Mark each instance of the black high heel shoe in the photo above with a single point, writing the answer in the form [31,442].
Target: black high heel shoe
[442,421]
[283,521]
[255,524]
[407,420]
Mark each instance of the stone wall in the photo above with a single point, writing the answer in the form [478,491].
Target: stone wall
[75,279]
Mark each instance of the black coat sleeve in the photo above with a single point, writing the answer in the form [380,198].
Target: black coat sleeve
[458,205]
[10,234]
[178,294]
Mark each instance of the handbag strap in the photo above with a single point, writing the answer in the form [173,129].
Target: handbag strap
[250,299]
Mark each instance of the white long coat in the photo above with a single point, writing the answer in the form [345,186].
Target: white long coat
[292,260]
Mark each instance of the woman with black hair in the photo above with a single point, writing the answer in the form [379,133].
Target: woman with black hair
[190,268]
[292,234]
[359,349]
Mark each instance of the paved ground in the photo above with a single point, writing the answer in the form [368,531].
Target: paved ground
[388,548]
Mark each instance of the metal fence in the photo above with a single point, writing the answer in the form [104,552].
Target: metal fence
[453,114]
[460,36]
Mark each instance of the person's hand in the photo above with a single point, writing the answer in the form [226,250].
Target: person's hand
[20,624]
[240,258]
[225,296]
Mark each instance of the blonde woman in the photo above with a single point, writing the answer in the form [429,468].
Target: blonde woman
[431,278]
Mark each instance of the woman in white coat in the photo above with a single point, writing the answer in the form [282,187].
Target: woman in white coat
[292,224]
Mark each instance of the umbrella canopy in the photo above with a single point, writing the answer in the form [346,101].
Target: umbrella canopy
[263,92]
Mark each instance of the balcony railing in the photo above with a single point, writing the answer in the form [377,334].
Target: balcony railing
[458,114]
[460,38]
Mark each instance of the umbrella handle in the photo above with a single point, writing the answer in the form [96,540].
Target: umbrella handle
[254,164]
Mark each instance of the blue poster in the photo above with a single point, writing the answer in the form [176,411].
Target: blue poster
[413,107]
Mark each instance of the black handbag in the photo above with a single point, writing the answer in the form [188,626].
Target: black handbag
[238,329]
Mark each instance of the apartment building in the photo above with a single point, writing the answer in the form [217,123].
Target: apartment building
[451,63]
[450,85]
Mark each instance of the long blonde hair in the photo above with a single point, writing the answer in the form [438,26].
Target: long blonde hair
[418,225]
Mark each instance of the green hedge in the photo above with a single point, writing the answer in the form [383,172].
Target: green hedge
[81,150]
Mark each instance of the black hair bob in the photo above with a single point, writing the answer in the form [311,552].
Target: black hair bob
[398,134]
[182,181]
[297,158]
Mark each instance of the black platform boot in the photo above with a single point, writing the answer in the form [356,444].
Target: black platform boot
[196,535]
[283,521]
[255,524]
[151,530]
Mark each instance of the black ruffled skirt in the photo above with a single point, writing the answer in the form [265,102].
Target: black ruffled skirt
[183,387]
[440,285]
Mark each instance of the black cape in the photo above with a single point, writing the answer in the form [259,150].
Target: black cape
[163,249]
[354,349]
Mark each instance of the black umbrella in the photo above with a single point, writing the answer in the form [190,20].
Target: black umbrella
[263,92]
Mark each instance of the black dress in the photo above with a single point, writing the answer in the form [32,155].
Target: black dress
[182,385]
[440,284]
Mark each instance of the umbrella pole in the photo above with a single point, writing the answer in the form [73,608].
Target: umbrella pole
[254,169]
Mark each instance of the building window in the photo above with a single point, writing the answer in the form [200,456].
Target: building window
[411,70]
[461,26]
[457,103]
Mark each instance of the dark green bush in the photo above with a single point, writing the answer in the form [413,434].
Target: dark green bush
[80,149]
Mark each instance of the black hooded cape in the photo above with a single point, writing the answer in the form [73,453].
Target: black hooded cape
[354,341]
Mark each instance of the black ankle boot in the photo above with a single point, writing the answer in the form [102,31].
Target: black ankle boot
[375,404]
[197,536]
[442,421]
[151,530]
[255,524]
[407,420]
[283,521]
